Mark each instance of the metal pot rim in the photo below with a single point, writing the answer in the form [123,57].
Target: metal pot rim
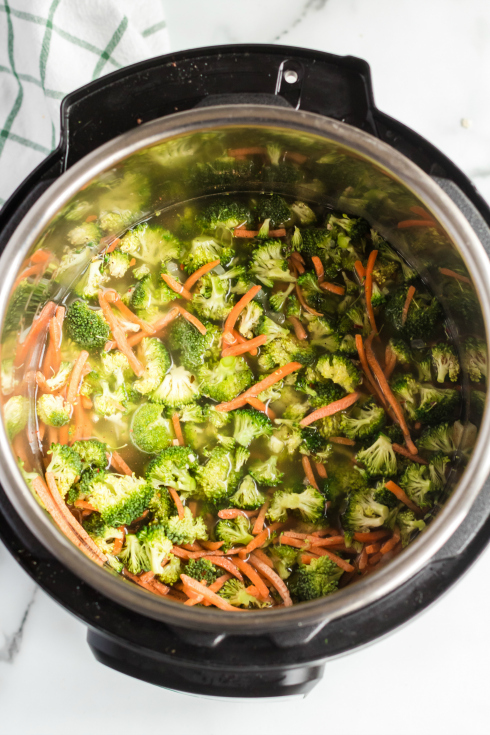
[418,554]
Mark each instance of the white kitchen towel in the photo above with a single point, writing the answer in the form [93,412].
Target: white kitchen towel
[49,48]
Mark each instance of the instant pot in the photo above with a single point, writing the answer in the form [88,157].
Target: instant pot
[161,132]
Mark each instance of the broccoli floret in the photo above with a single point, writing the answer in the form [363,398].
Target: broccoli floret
[92,453]
[156,546]
[236,594]
[156,361]
[308,282]
[186,530]
[436,404]
[150,432]
[320,394]
[320,327]
[341,370]
[363,422]
[170,574]
[204,250]
[53,410]
[379,458]
[318,578]
[406,389]
[280,351]
[424,369]
[250,318]
[195,347]
[417,483]
[385,497]
[15,414]
[287,438]
[161,505]
[85,326]
[151,244]
[65,465]
[475,359]
[133,555]
[277,300]
[407,524]
[119,498]
[294,308]
[271,329]
[359,320]
[247,496]
[203,570]
[224,212]
[226,379]
[172,468]
[330,425]
[274,208]
[401,350]
[103,534]
[317,241]
[265,473]
[314,444]
[118,263]
[284,559]
[424,315]
[446,362]
[146,298]
[178,388]
[87,232]
[9,381]
[363,512]
[310,504]
[233,532]
[61,378]
[110,402]
[387,253]
[91,281]
[269,263]
[212,300]
[220,476]
[250,424]
[437,439]
[437,470]
[304,214]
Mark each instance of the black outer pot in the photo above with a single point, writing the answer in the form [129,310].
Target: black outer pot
[199,662]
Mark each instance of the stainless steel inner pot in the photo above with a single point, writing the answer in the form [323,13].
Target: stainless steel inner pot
[182,157]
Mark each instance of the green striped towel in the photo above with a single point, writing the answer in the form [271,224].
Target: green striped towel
[49,48]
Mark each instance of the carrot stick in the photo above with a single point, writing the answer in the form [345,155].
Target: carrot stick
[229,513]
[373,548]
[368,288]
[453,274]
[113,245]
[322,472]
[295,542]
[333,288]
[256,580]
[391,543]
[119,464]
[385,387]
[113,297]
[33,270]
[194,586]
[263,558]
[76,377]
[415,223]
[259,523]
[298,257]
[199,273]
[318,265]
[401,495]
[370,536]
[330,541]
[193,320]
[245,346]
[248,234]
[303,303]
[408,301]
[38,325]
[178,502]
[299,329]
[329,410]
[308,470]
[177,287]
[55,338]
[262,537]
[360,270]
[212,545]
[262,385]
[260,406]
[178,429]
[235,313]
[362,560]
[341,440]
[218,584]
[224,563]
[271,575]
[414,457]
[241,340]
[119,336]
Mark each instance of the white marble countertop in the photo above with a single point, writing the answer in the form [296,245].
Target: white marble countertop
[430,62]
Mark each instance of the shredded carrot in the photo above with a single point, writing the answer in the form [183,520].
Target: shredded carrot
[178,502]
[421,212]
[260,406]
[368,376]
[235,313]
[295,266]
[259,523]
[414,457]
[112,297]
[86,402]
[370,536]
[453,274]
[119,542]
[295,156]
[194,586]
[249,234]
[408,301]
[360,270]
[320,468]
[159,588]
[250,151]
[230,513]
[212,545]
[333,288]
[308,470]
[318,265]
[262,385]
[262,537]
[218,584]
[241,340]
[119,464]
[303,303]
[362,562]
[329,410]
[299,329]
[390,362]
[40,256]
[264,558]
[392,542]
[33,270]
[341,440]
[295,542]
[113,245]
[76,377]
[337,560]
[385,387]
[330,541]
[199,273]
[224,563]
[178,429]
[119,336]
[415,223]
[401,495]
[158,326]
[19,447]
[368,289]
[193,320]
[245,346]
[256,580]
[271,575]
[177,287]
[84,504]
[373,548]
[139,581]
[38,325]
